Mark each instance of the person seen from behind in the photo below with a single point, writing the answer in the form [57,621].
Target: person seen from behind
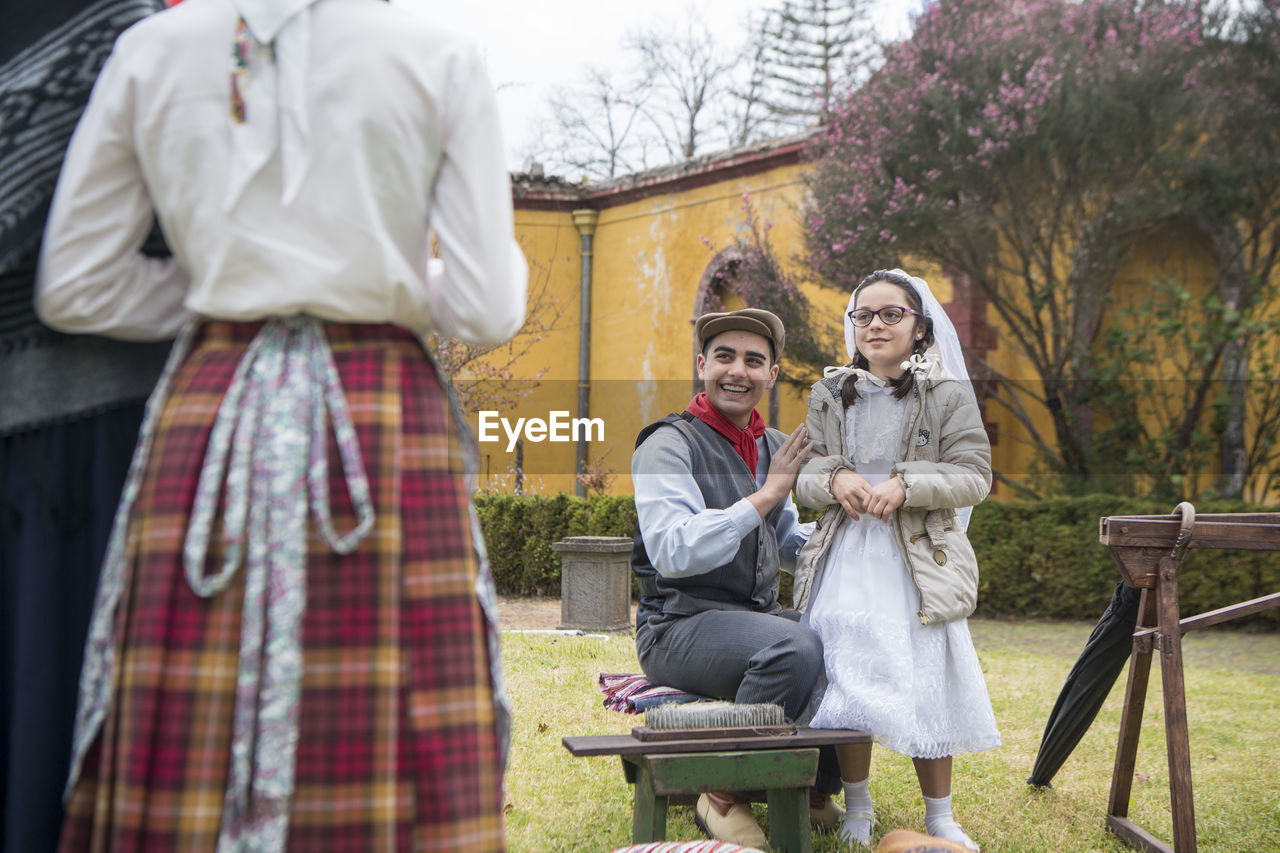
[293,645]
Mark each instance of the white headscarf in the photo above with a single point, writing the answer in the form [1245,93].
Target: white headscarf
[269,70]
[945,347]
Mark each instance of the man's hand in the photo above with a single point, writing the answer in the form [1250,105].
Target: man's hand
[885,498]
[851,490]
[783,468]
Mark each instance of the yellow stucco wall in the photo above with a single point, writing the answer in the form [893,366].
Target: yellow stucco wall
[649,257]
[1013,452]
[553,249]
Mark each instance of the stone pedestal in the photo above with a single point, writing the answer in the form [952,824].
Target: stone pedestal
[595,582]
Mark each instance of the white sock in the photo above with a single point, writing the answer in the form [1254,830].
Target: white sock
[855,824]
[941,823]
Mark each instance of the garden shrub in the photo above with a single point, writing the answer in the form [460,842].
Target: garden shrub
[520,530]
[1038,559]
[611,515]
[518,534]
[1043,559]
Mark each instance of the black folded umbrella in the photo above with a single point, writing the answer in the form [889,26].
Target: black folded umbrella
[1088,683]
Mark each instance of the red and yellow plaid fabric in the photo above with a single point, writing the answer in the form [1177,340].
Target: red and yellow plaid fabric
[398,740]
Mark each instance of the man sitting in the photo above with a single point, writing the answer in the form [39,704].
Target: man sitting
[715,520]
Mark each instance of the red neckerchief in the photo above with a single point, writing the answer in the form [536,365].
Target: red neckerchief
[743,440]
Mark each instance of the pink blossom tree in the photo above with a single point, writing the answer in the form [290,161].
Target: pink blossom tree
[1026,146]
[758,277]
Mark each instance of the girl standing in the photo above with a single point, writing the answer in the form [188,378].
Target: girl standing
[293,644]
[888,577]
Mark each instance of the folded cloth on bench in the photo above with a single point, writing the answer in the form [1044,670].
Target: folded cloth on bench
[686,847]
[633,693]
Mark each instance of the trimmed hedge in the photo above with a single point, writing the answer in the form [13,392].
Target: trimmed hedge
[1043,559]
[519,532]
[1037,559]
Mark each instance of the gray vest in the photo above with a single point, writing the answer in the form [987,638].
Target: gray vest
[747,582]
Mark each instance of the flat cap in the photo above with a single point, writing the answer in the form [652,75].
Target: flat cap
[756,320]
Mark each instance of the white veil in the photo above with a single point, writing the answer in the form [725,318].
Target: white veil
[945,346]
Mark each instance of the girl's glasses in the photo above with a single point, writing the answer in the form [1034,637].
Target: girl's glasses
[890,315]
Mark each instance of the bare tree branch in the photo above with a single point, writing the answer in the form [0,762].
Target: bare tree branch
[691,75]
[595,128]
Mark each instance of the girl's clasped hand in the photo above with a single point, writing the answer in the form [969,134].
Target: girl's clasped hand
[857,495]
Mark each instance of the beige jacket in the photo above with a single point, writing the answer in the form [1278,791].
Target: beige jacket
[946,464]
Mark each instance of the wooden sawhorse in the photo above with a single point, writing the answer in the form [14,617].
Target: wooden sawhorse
[1149,550]
[674,772]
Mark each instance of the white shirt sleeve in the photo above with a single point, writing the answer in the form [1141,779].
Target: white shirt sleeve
[92,275]
[681,535]
[476,291]
[791,533]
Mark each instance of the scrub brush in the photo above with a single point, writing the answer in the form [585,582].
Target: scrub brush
[691,720]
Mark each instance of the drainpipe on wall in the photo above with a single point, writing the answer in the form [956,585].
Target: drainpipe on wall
[585,222]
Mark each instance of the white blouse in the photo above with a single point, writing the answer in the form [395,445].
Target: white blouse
[403,140]
[873,425]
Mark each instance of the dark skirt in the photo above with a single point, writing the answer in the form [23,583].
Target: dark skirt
[399,743]
[59,486]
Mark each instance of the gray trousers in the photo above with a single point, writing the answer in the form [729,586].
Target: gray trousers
[741,656]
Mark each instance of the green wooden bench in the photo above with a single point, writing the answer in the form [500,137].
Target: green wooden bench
[675,772]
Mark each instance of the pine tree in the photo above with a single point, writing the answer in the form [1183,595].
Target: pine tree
[813,51]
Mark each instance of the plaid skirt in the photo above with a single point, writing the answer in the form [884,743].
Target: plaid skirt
[399,724]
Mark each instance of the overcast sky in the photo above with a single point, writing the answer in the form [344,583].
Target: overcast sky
[534,46]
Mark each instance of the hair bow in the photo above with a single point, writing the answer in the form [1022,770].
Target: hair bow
[917,364]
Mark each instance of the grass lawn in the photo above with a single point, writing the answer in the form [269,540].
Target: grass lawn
[557,802]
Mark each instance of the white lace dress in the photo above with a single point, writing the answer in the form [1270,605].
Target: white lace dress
[917,689]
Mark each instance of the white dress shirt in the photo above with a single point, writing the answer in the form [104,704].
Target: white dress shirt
[403,139]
